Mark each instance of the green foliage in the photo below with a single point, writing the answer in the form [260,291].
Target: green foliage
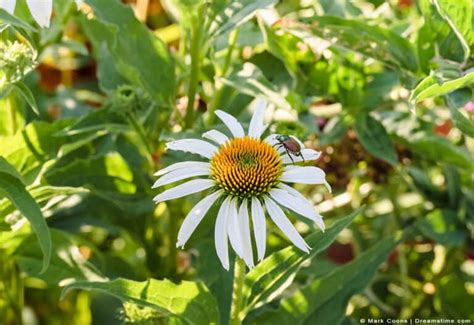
[184,303]
[385,90]
[12,187]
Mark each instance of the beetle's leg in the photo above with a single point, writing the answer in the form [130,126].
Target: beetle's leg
[289,155]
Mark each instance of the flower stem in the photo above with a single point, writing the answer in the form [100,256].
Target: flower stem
[220,87]
[237,297]
[195,49]
[10,104]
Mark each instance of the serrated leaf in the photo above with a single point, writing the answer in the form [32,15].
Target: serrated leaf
[190,302]
[324,301]
[373,136]
[276,272]
[13,188]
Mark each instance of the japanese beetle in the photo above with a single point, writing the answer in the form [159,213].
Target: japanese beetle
[291,145]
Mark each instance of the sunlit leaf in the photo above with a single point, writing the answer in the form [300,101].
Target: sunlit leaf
[13,188]
[276,272]
[186,303]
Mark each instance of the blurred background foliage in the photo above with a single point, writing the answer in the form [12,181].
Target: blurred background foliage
[383,88]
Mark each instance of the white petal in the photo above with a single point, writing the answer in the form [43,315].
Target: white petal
[79,2]
[196,185]
[279,218]
[308,154]
[301,206]
[271,139]
[182,165]
[303,175]
[259,227]
[220,234]
[194,217]
[181,174]
[8,5]
[41,11]
[216,136]
[232,124]
[256,123]
[196,146]
[233,229]
[245,231]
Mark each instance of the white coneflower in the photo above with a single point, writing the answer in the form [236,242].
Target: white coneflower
[248,175]
[40,9]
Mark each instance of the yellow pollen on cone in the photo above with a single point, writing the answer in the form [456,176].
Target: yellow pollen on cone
[246,167]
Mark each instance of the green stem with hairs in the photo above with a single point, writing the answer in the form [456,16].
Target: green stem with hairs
[237,292]
[10,105]
[217,97]
[195,48]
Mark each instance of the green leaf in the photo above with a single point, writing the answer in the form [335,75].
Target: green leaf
[5,17]
[13,188]
[137,54]
[41,195]
[27,95]
[443,227]
[251,81]
[276,272]
[438,149]
[458,15]
[236,13]
[110,172]
[429,87]
[456,101]
[190,302]
[324,301]
[370,40]
[439,37]
[67,262]
[373,136]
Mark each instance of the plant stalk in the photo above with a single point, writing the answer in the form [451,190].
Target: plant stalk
[195,49]
[217,97]
[237,297]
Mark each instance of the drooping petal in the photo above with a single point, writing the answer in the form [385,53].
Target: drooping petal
[307,155]
[304,175]
[282,222]
[8,6]
[182,165]
[196,146]
[181,174]
[245,231]
[259,227]
[234,230]
[194,217]
[256,123]
[298,196]
[220,234]
[216,136]
[41,11]
[196,185]
[302,207]
[232,124]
